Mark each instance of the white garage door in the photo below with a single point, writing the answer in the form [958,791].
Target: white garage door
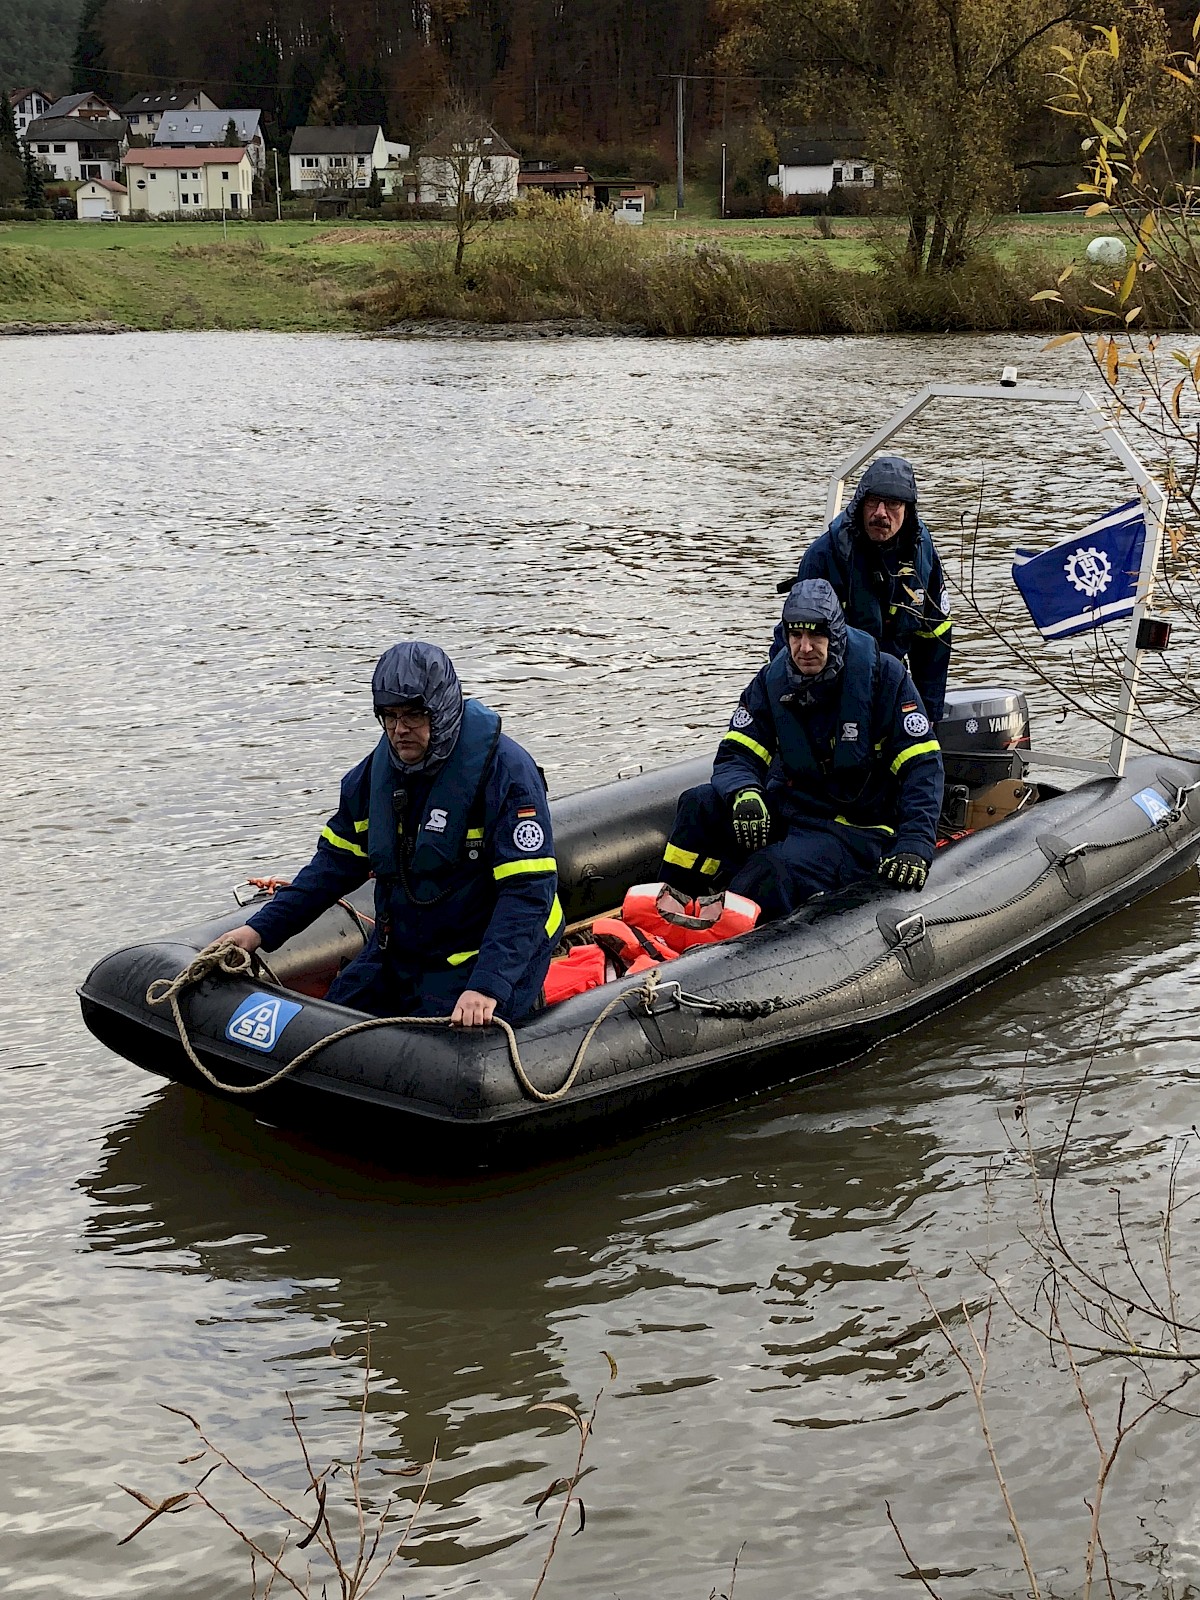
[93,205]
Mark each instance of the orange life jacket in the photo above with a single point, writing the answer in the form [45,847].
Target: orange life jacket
[576,972]
[632,949]
[665,914]
[618,951]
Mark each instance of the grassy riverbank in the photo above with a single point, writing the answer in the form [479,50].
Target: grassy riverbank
[685,276]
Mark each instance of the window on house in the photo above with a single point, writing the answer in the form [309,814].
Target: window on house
[858,174]
[837,176]
[43,149]
[183,199]
[90,169]
[225,175]
[60,149]
[338,161]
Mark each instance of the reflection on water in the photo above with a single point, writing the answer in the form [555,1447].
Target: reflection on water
[594,531]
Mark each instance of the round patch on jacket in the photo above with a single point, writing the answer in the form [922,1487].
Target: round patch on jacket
[529,836]
[741,718]
[916,724]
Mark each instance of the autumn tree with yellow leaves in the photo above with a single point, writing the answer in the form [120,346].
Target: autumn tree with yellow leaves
[938,89]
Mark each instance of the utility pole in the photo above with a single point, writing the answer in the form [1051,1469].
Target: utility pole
[278,206]
[679,142]
[722,182]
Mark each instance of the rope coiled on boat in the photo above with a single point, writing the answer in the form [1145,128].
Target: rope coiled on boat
[232,961]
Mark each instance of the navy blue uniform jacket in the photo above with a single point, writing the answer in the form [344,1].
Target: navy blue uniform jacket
[491,911]
[897,790]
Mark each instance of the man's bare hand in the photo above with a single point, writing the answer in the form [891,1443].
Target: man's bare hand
[244,937]
[473,1009]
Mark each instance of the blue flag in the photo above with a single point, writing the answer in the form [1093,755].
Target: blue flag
[1086,580]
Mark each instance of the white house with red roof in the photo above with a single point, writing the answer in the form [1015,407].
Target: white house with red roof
[166,182]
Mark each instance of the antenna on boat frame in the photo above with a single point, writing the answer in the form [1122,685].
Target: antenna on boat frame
[1154,506]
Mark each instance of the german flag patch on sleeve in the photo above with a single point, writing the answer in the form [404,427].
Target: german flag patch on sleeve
[526,811]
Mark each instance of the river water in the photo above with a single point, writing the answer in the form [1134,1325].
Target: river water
[206,540]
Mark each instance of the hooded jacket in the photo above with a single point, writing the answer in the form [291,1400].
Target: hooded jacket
[460,843]
[895,592]
[858,752]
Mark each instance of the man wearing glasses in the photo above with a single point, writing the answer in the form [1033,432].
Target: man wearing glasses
[829,772]
[879,557]
[451,817]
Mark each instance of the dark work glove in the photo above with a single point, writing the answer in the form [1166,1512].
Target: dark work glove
[751,820]
[904,871]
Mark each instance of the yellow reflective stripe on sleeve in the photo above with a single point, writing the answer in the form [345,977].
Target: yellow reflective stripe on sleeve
[914,750]
[936,633]
[554,921]
[457,959]
[509,869]
[339,843]
[675,857]
[759,750]
[709,868]
[474,835]
[869,827]
[361,827]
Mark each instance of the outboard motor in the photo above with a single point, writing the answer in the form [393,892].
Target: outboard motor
[984,735]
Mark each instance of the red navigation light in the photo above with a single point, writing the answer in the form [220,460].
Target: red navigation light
[1154,633]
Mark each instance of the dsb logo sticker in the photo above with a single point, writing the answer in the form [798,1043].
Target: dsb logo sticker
[260,1020]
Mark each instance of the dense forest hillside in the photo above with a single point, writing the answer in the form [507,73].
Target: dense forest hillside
[37,38]
[596,73]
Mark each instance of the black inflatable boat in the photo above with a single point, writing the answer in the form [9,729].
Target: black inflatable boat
[1025,865]
[780,1002]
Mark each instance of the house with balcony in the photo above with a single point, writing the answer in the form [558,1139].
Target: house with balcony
[88,107]
[78,147]
[167,182]
[145,112]
[320,159]
[197,130]
[28,105]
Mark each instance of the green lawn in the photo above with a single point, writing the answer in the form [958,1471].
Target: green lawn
[301,275]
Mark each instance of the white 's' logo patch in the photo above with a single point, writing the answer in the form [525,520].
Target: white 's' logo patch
[741,718]
[916,724]
[849,732]
[436,821]
[259,1021]
[529,836]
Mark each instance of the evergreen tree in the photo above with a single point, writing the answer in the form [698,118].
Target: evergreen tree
[87,63]
[375,192]
[8,127]
[232,140]
[34,193]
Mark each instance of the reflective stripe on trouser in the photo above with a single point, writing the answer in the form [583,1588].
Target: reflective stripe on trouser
[810,857]
[702,850]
